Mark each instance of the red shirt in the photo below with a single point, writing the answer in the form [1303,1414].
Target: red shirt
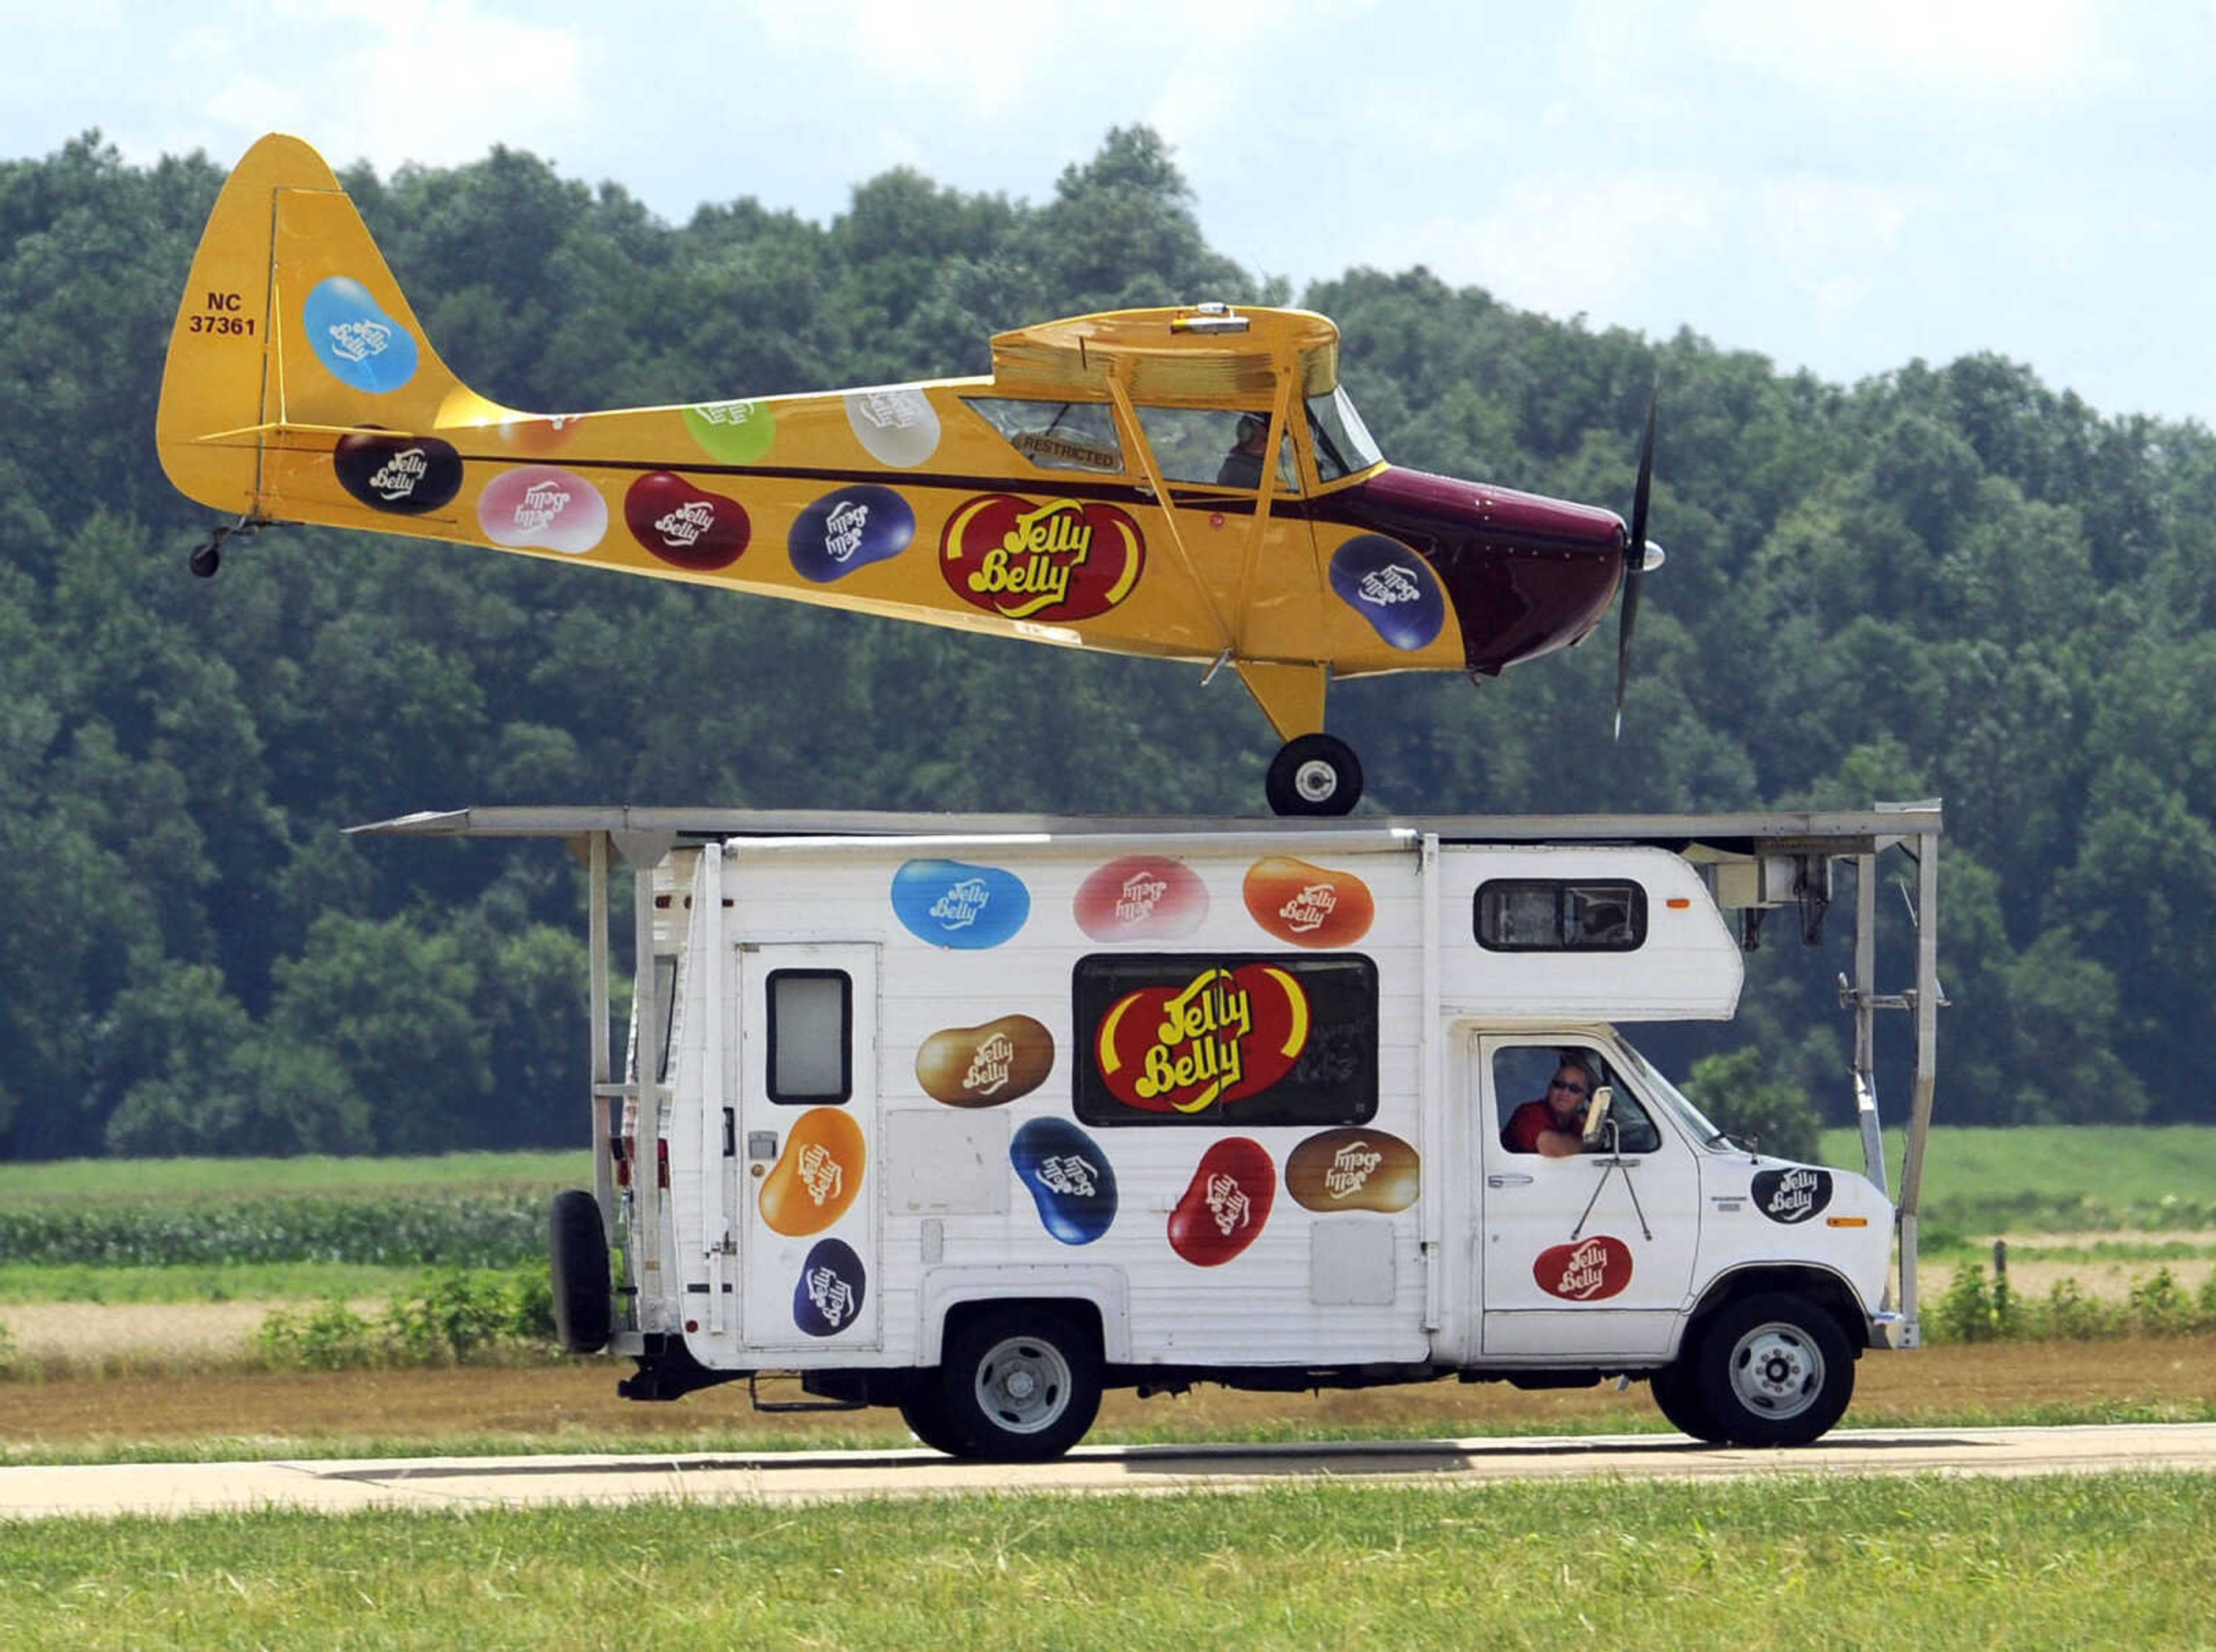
[1525,1125]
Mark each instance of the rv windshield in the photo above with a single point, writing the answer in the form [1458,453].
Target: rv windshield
[1670,1099]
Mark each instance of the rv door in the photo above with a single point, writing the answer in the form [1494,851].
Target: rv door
[806,1140]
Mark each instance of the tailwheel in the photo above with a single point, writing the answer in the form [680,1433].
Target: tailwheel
[1316,774]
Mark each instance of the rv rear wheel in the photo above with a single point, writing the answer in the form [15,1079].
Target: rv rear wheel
[577,1248]
[1023,1385]
[1774,1370]
[1676,1392]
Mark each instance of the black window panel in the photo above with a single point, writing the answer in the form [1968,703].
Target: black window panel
[809,1061]
[1560,915]
[1332,1080]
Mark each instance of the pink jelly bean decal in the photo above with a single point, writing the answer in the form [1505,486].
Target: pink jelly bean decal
[543,504]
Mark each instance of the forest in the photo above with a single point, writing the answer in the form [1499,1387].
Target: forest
[1947,581]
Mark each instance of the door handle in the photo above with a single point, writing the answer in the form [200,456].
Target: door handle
[1512,1179]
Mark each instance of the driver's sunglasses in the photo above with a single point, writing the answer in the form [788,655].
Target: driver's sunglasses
[1574,1089]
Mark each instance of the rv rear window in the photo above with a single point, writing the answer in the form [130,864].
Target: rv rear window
[1561,915]
[1231,1040]
[811,1037]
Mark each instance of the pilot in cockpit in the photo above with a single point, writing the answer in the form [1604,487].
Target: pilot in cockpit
[1242,465]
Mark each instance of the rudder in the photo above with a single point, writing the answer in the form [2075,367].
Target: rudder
[292,330]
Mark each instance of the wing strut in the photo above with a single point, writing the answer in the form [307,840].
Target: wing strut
[1121,400]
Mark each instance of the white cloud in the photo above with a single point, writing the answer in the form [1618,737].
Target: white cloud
[1570,243]
[2010,52]
[1828,238]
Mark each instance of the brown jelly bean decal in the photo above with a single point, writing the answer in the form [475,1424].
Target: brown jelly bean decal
[1352,1169]
[986,1065]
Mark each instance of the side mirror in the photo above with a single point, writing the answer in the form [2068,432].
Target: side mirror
[1603,1097]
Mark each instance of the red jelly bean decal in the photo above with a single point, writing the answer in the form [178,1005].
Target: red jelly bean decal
[1224,1206]
[685,527]
[1589,1270]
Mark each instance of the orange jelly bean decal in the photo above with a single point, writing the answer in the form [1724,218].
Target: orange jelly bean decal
[1308,906]
[818,1176]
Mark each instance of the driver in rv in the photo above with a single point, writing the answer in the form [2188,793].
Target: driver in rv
[1554,1125]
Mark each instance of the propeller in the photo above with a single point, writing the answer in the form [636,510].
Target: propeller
[1634,563]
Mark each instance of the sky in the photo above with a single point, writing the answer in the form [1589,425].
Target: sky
[1842,188]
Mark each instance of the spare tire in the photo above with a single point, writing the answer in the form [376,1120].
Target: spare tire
[577,1247]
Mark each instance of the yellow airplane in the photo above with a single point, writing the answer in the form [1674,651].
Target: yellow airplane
[1108,486]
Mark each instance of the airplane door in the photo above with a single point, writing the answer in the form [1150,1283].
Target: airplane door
[807,1141]
[1590,1255]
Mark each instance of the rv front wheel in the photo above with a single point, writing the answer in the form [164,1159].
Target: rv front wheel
[1774,1370]
[923,1408]
[1677,1390]
[1021,1384]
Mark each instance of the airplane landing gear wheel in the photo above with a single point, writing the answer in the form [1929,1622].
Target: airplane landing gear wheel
[1315,774]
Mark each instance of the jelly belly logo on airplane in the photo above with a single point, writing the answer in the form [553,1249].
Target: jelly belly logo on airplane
[685,527]
[952,904]
[361,346]
[1391,587]
[1224,1035]
[404,474]
[1054,562]
[1591,1270]
[1791,1195]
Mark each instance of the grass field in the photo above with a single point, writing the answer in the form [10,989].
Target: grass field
[1789,1562]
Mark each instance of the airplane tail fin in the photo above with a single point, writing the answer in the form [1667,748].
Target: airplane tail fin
[292,338]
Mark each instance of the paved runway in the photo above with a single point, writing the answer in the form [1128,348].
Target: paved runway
[480,1482]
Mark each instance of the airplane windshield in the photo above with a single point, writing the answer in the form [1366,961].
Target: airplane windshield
[1343,443]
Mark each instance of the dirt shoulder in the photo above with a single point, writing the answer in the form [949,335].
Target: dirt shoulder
[571,1400]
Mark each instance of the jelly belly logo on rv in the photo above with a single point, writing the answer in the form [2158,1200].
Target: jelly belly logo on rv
[1142,898]
[1050,563]
[1591,1270]
[951,904]
[1223,1035]
[1791,1195]
[1308,906]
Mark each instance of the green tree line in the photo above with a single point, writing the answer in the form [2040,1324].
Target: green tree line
[1946,580]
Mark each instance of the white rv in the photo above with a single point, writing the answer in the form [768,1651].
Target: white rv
[977,1116]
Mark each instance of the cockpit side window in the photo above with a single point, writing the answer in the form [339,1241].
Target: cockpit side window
[1055,435]
[1214,447]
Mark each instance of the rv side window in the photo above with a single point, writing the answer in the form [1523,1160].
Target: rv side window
[811,1037]
[1230,1040]
[1560,915]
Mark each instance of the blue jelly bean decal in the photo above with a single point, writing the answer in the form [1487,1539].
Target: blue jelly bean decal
[847,530]
[1392,588]
[359,343]
[829,1297]
[1070,1177]
[950,904]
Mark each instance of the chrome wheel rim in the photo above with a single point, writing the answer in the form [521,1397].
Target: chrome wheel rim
[1023,1385]
[1316,781]
[1776,1370]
